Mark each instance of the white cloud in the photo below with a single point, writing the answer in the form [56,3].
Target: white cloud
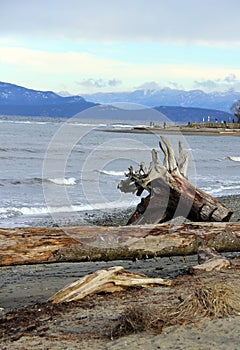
[150,85]
[231,78]
[114,82]
[99,83]
[179,21]
[94,73]
[229,82]
[56,62]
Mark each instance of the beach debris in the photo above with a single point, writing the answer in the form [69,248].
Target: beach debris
[28,245]
[106,280]
[216,263]
[170,192]
[217,300]
[206,253]
[214,300]
[209,259]
[2,311]
[137,318]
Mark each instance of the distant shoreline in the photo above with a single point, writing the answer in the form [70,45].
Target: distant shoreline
[184,130]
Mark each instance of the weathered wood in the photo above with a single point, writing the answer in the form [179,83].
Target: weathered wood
[170,193]
[93,243]
[209,259]
[109,280]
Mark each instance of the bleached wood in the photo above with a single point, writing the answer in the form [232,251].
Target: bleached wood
[107,280]
[216,263]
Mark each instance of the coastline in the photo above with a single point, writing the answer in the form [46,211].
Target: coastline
[116,216]
[184,130]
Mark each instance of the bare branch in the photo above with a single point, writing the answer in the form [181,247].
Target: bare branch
[172,164]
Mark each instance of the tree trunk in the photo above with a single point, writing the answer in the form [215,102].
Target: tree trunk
[170,193]
[84,243]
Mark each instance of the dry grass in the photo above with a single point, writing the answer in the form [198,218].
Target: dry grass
[135,319]
[214,301]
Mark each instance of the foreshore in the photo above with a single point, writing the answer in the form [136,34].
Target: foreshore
[87,325]
[177,130]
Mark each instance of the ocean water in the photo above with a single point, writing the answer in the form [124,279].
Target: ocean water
[56,170]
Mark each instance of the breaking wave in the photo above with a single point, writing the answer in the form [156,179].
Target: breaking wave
[111,172]
[9,212]
[71,181]
[63,181]
[235,159]
[223,190]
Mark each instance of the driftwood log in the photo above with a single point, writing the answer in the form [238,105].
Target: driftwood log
[170,192]
[95,243]
[113,279]
[209,259]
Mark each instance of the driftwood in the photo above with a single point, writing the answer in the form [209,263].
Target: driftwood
[170,192]
[109,280]
[94,243]
[209,259]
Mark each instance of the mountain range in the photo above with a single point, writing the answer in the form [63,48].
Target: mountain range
[18,100]
[170,97]
[177,105]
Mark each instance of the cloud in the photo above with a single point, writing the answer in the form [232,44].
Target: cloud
[151,85]
[173,21]
[231,78]
[58,62]
[98,83]
[207,84]
[28,65]
[175,85]
[229,82]
[92,83]
[114,82]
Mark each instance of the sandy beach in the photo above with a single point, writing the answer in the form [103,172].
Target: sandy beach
[89,324]
[184,130]
[30,321]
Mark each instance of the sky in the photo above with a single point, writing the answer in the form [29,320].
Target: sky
[94,46]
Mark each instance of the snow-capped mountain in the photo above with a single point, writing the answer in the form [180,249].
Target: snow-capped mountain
[170,97]
[18,100]
[18,95]
[177,105]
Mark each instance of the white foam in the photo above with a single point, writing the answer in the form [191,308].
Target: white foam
[112,172]
[86,124]
[122,126]
[223,190]
[235,159]
[63,181]
[9,212]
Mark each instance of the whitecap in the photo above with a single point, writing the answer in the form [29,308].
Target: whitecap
[63,181]
[235,159]
[111,172]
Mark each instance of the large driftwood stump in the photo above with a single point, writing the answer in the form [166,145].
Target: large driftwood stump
[170,192]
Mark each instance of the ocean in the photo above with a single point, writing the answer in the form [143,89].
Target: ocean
[54,171]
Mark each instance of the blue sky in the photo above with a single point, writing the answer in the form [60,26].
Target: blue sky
[120,45]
